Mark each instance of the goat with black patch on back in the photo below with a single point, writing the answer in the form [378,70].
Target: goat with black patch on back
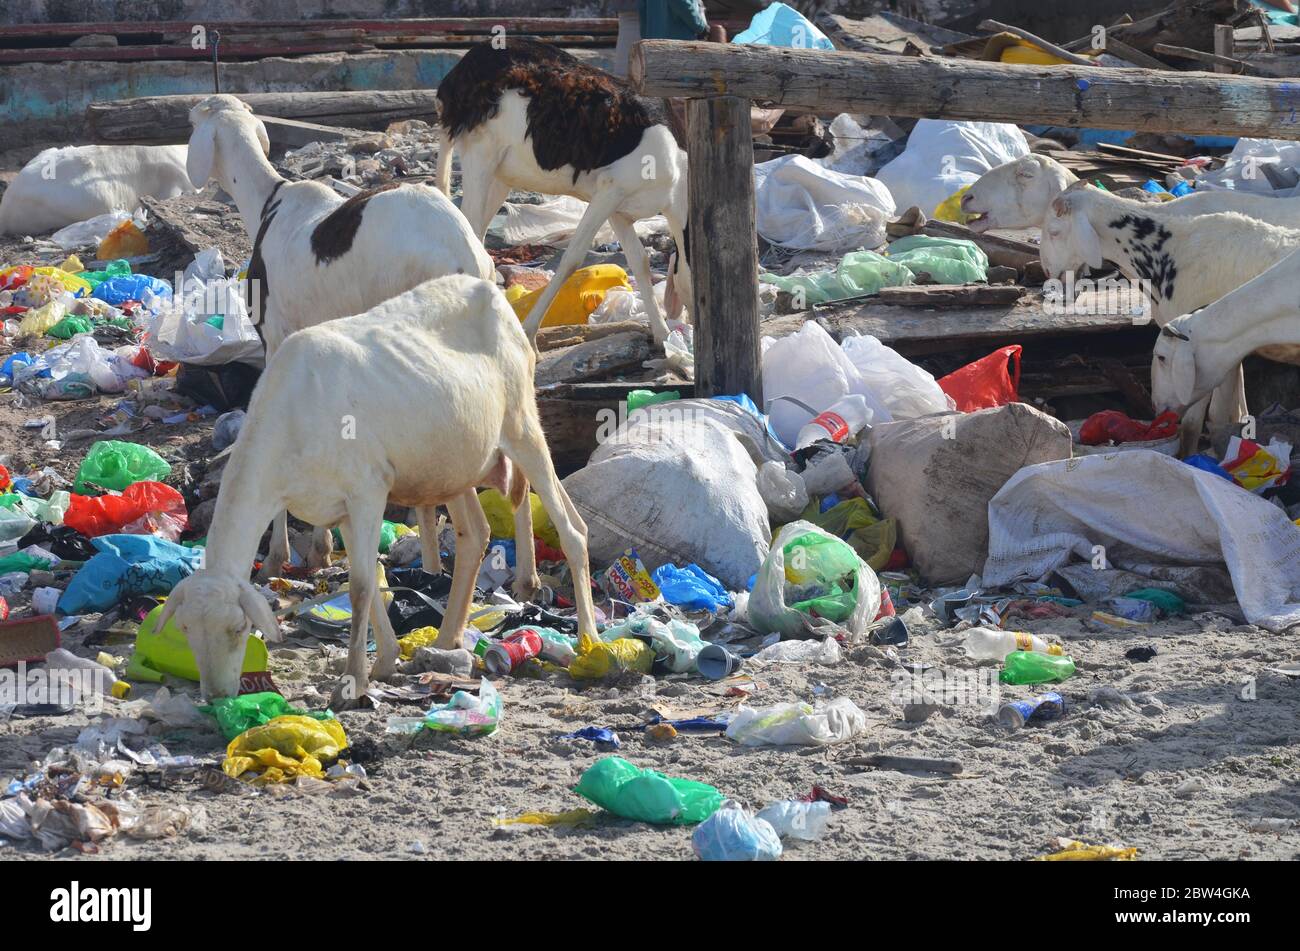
[532,116]
[317,257]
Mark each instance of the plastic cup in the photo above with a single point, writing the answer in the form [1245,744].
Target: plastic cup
[715,662]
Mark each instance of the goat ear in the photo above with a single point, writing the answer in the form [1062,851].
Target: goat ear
[1182,372]
[258,612]
[262,137]
[201,154]
[173,601]
[1086,239]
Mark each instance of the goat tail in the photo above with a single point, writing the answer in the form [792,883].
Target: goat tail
[444,160]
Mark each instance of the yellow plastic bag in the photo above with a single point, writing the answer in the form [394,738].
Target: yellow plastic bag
[39,321]
[284,748]
[612,657]
[124,241]
[70,282]
[414,640]
[1072,850]
[950,208]
[577,298]
[872,538]
[571,818]
[72,264]
[501,517]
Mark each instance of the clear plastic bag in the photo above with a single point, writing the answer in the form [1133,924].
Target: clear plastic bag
[793,819]
[808,573]
[733,834]
[783,491]
[798,724]
[905,389]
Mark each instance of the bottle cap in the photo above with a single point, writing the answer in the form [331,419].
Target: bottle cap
[121,689]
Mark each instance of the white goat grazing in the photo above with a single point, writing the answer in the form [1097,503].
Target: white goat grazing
[317,257]
[1184,262]
[1019,194]
[1197,351]
[591,138]
[453,351]
[62,186]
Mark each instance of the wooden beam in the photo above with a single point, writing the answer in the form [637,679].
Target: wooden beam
[294,133]
[1228,63]
[879,84]
[166,118]
[1224,41]
[1135,56]
[723,250]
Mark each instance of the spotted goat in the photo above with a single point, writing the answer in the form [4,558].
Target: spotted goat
[532,116]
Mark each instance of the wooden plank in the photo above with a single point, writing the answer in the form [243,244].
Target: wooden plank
[1131,54]
[880,84]
[951,295]
[1230,64]
[294,133]
[431,25]
[1224,41]
[594,359]
[884,32]
[166,118]
[723,248]
[173,51]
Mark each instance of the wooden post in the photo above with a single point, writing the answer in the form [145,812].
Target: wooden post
[878,84]
[723,249]
[1224,40]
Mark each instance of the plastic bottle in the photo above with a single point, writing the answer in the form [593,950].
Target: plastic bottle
[103,679]
[845,419]
[990,643]
[1030,667]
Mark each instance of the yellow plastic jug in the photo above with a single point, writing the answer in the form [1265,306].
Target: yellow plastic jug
[578,296]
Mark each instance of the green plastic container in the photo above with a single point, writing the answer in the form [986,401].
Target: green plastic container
[168,652]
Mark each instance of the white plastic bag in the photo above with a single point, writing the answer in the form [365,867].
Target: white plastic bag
[783,491]
[554,220]
[900,385]
[1242,172]
[800,204]
[781,25]
[942,156]
[92,231]
[808,367]
[798,724]
[793,819]
[826,652]
[620,304]
[768,611]
[180,330]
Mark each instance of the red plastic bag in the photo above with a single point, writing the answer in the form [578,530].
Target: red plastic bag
[1111,425]
[987,382]
[106,514]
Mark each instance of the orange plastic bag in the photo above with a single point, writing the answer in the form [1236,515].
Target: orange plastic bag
[124,241]
[105,514]
[990,381]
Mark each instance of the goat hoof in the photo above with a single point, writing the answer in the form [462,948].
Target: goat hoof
[383,669]
[525,589]
[348,694]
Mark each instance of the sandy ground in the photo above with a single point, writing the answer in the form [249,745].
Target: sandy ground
[1164,755]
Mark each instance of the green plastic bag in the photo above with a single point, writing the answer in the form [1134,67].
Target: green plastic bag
[871,536]
[1168,602]
[70,326]
[387,535]
[858,274]
[645,795]
[235,715]
[946,260]
[21,561]
[115,465]
[639,398]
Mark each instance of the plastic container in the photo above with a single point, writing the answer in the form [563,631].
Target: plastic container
[1029,667]
[103,679]
[847,417]
[989,643]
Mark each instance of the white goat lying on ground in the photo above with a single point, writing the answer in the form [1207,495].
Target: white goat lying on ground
[591,138]
[62,186]
[317,257]
[1019,194]
[1196,352]
[1183,263]
[451,351]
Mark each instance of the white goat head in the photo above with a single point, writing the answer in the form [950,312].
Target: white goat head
[1015,194]
[1069,239]
[1173,368]
[221,123]
[216,613]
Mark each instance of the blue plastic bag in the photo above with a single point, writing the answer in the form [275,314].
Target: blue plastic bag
[691,588]
[127,565]
[1209,464]
[733,835]
[118,290]
[780,25]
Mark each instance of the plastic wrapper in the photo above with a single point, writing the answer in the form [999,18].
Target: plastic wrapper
[646,795]
[810,573]
[825,652]
[798,724]
[467,714]
[284,748]
[734,834]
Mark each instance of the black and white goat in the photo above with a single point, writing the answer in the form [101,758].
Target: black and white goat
[532,116]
